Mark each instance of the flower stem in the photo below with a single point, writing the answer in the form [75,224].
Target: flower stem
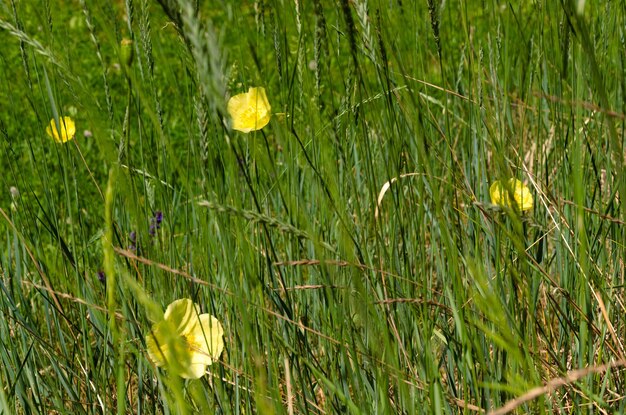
[109,269]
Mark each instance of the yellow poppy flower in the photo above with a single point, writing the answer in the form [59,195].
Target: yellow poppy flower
[250,111]
[68,129]
[501,194]
[185,341]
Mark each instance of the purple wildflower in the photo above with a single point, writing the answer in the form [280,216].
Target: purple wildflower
[155,222]
[102,277]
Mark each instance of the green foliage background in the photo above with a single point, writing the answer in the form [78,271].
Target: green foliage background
[429,300]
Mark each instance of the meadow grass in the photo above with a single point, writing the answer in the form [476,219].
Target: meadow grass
[335,297]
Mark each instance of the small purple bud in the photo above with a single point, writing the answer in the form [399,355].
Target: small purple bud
[102,277]
[158,217]
[155,222]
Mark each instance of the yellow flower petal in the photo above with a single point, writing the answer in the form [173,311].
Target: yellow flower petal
[206,340]
[184,341]
[250,111]
[157,343]
[67,127]
[193,371]
[183,314]
[495,193]
[501,193]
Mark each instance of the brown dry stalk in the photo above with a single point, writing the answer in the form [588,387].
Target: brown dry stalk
[130,255]
[71,298]
[310,287]
[462,404]
[316,262]
[583,104]
[289,387]
[595,212]
[554,384]
[43,276]
[419,301]
[618,344]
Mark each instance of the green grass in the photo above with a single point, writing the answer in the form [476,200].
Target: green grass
[443,303]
